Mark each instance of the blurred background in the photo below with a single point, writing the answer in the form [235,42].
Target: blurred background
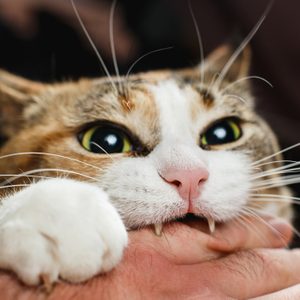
[43,40]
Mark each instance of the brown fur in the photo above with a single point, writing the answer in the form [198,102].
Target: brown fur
[47,118]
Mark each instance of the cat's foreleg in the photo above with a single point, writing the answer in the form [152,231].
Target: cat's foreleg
[60,228]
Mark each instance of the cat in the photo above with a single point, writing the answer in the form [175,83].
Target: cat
[99,157]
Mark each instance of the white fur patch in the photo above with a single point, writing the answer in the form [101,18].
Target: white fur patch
[60,227]
[173,111]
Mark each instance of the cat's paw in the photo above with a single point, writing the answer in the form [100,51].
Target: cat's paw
[60,228]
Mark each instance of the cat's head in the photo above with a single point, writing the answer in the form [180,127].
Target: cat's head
[162,144]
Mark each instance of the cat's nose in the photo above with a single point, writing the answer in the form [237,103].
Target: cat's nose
[187,182]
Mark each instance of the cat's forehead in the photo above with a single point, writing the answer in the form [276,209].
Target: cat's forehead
[157,89]
[163,102]
[151,105]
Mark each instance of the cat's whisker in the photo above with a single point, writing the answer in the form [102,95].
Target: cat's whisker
[275,196]
[138,60]
[49,154]
[250,225]
[12,175]
[285,169]
[259,205]
[229,86]
[29,177]
[273,181]
[258,182]
[275,185]
[295,231]
[15,186]
[211,84]
[243,220]
[237,97]
[239,220]
[280,182]
[269,200]
[288,172]
[102,149]
[275,154]
[112,45]
[287,181]
[43,170]
[200,43]
[258,171]
[274,162]
[102,63]
[255,213]
[242,46]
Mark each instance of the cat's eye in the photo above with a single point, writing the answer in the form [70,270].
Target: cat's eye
[222,132]
[105,139]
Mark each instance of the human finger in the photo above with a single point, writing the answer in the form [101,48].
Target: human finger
[254,273]
[263,232]
[292,292]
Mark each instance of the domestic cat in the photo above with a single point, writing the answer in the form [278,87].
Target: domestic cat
[82,162]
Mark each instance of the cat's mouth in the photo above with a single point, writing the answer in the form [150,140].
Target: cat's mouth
[192,221]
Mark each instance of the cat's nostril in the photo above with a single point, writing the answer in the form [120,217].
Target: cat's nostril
[176,182]
[202,180]
[187,182]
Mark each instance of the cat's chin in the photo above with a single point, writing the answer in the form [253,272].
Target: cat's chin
[203,224]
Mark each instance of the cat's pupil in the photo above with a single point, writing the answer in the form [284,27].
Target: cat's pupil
[106,140]
[220,134]
[225,131]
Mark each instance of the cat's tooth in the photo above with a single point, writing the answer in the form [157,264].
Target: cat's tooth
[211,224]
[158,229]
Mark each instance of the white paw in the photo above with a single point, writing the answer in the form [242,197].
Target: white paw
[60,228]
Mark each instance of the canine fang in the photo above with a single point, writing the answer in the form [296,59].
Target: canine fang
[211,224]
[158,229]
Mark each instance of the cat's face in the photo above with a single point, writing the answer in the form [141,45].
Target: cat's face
[168,144]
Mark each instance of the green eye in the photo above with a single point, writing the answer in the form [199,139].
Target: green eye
[222,132]
[105,139]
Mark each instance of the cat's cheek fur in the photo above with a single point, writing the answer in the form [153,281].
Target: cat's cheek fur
[226,192]
[60,228]
[140,194]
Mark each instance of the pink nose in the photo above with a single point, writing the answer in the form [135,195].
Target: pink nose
[187,182]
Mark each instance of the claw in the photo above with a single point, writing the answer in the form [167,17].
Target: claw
[47,285]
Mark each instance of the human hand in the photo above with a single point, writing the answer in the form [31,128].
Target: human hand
[181,265]
[292,292]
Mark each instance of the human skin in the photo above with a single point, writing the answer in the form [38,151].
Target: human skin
[185,263]
[292,292]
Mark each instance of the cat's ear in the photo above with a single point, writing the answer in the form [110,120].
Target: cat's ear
[12,86]
[16,94]
[220,58]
